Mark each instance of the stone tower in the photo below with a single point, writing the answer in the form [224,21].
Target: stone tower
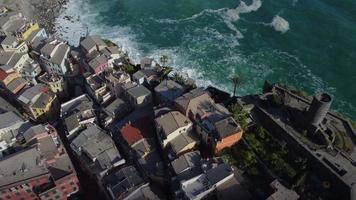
[319,108]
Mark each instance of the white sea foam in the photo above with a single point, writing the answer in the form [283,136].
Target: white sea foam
[280,24]
[82,19]
[229,16]
[253,7]
[193,17]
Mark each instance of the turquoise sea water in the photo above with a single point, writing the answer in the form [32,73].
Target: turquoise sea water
[309,44]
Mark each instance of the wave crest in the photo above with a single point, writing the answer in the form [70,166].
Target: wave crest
[280,24]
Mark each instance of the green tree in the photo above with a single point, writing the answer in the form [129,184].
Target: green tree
[128,69]
[237,81]
[239,115]
[163,59]
[179,78]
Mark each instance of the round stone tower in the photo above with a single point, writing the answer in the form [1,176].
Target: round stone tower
[319,108]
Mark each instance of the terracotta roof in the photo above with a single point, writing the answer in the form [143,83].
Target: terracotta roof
[134,132]
[3,75]
[131,134]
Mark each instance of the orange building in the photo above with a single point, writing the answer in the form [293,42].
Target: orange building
[213,121]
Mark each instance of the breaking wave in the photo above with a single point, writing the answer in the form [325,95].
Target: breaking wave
[229,16]
[280,24]
[78,19]
[207,53]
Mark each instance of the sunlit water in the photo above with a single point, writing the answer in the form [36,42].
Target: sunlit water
[309,44]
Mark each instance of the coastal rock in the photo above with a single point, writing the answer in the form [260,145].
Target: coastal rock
[44,12]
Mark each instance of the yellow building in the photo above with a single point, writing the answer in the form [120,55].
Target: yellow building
[42,105]
[32,28]
[38,101]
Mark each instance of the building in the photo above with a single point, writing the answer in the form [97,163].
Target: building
[5,106]
[146,63]
[21,63]
[113,53]
[39,33]
[282,193]
[170,125]
[14,61]
[98,64]
[147,76]
[167,91]
[115,110]
[54,55]
[190,103]
[77,114]
[30,71]
[187,166]
[10,123]
[232,188]
[96,152]
[307,126]
[115,80]
[183,143]
[215,125]
[203,185]
[38,101]
[42,170]
[99,56]
[154,167]
[175,133]
[209,178]
[15,24]
[91,44]
[12,44]
[143,192]
[127,184]
[139,96]
[22,173]
[139,137]
[6,20]
[55,82]
[12,82]
[97,88]
[219,133]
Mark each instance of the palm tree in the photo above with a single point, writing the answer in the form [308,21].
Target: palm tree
[237,81]
[163,59]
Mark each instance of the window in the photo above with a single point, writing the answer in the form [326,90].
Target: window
[71,183]
[17,194]
[28,190]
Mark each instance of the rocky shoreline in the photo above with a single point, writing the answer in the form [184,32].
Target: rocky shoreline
[45,12]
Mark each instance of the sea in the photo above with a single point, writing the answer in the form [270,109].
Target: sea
[307,44]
